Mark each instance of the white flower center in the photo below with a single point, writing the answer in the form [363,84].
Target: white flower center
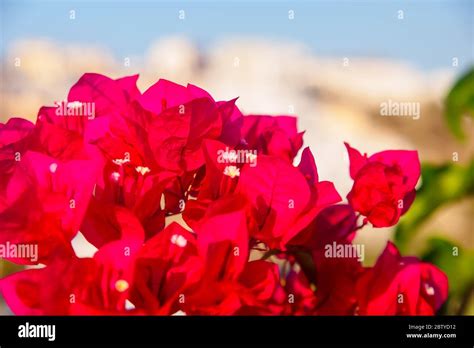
[179,240]
[53,167]
[232,171]
[115,176]
[121,285]
[142,170]
[429,289]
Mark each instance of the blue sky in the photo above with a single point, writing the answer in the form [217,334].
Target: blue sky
[431,33]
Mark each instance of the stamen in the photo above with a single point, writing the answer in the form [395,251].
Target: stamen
[53,167]
[142,170]
[115,176]
[179,240]
[232,171]
[121,285]
[429,289]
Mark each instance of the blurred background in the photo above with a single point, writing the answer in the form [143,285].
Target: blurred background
[331,63]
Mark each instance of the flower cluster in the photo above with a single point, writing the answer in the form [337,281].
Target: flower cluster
[196,209]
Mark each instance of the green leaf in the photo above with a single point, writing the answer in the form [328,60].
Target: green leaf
[460,102]
[441,184]
[7,268]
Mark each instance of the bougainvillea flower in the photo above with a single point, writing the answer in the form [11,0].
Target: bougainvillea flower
[232,122]
[384,184]
[165,267]
[334,278]
[132,187]
[105,223]
[72,127]
[296,296]
[284,199]
[336,281]
[109,96]
[93,96]
[272,135]
[14,130]
[15,139]
[47,200]
[165,94]
[77,286]
[237,283]
[60,143]
[334,223]
[217,182]
[97,285]
[131,177]
[401,286]
[177,133]
[250,229]
[18,136]
[187,115]
[46,291]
